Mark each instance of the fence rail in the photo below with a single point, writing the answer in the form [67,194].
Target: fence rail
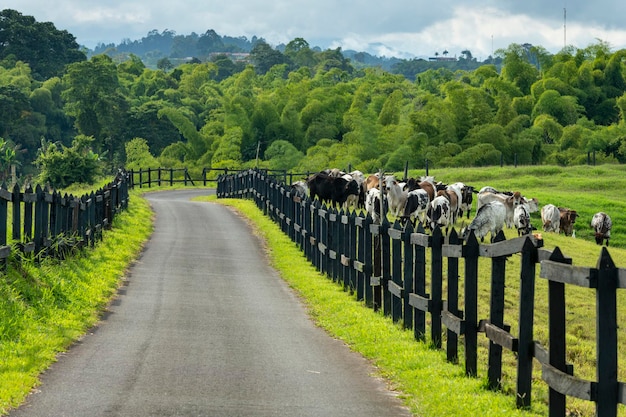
[385,266]
[156,177]
[45,222]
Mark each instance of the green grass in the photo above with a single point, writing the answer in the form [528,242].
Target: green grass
[46,307]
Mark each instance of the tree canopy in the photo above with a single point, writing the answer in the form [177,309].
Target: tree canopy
[305,109]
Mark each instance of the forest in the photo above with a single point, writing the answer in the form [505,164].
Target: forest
[67,118]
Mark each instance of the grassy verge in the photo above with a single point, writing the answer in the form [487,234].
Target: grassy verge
[45,308]
[428,384]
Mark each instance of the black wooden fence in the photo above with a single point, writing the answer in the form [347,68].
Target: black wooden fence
[45,222]
[385,265]
[156,177]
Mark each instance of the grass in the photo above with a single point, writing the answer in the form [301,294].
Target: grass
[46,307]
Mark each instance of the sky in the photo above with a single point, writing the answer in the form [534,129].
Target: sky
[392,28]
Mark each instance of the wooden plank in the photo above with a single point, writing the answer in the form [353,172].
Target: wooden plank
[375,229]
[508,247]
[501,337]
[567,384]
[5,251]
[621,392]
[568,274]
[359,266]
[322,248]
[29,197]
[345,219]
[420,302]
[453,322]
[345,261]
[332,254]
[395,289]
[332,217]
[541,353]
[394,234]
[297,228]
[359,221]
[452,251]
[621,278]
[312,240]
[5,194]
[421,239]
[375,281]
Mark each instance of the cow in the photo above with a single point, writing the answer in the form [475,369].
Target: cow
[396,196]
[551,218]
[467,198]
[486,195]
[601,224]
[567,220]
[372,181]
[331,190]
[521,220]
[373,205]
[490,218]
[417,203]
[439,213]
[300,188]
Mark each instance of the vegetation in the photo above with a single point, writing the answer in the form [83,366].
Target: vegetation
[525,106]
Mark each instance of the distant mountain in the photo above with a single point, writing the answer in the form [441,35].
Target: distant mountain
[193,47]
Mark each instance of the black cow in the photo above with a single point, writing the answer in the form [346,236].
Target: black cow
[330,189]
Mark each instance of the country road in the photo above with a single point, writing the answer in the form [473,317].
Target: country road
[203,326]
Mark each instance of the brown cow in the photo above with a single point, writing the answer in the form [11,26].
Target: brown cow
[568,218]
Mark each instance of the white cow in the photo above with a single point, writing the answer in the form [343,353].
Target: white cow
[551,218]
[489,218]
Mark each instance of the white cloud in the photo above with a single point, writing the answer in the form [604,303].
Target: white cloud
[403,28]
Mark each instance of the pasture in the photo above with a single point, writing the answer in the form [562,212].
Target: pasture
[586,189]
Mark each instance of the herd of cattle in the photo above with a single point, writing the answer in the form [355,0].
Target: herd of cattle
[436,204]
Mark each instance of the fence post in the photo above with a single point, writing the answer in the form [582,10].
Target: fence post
[526,324]
[436,287]
[556,327]
[471,255]
[396,271]
[386,266]
[606,347]
[407,275]
[366,243]
[17,220]
[452,345]
[352,249]
[496,316]
[419,287]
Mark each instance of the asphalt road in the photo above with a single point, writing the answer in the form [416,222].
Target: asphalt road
[204,327]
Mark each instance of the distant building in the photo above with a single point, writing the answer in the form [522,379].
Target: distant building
[233,56]
[442,58]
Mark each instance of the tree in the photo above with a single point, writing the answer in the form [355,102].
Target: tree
[282,155]
[62,166]
[138,155]
[94,99]
[164,64]
[264,57]
[46,49]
